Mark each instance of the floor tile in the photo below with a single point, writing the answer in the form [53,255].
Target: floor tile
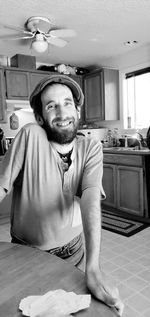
[146,292]
[138,302]
[145,275]
[120,260]
[124,291]
[146,314]
[136,283]
[145,261]
[109,267]
[132,255]
[133,267]
[130,312]
[121,275]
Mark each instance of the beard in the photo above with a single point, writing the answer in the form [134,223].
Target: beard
[64,136]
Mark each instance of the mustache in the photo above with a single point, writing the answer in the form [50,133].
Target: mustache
[59,119]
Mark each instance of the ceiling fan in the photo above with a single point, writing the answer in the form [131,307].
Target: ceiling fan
[39,31]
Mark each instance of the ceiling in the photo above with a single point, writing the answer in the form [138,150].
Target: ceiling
[101,26]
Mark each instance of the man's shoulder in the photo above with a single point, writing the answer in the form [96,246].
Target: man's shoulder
[32,128]
[88,141]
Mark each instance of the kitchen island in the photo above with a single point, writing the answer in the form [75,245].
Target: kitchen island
[126,181]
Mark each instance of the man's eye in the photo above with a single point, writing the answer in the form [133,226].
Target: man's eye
[49,107]
[68,103]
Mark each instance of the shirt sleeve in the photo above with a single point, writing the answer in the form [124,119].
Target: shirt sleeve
[12,162]
[93,170]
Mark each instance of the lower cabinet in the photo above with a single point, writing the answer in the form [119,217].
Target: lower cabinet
[125,186]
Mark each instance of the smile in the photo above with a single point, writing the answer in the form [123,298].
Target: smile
[63,124]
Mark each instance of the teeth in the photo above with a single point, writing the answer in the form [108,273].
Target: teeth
[63,124]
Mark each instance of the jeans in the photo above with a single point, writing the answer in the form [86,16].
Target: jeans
[73,251]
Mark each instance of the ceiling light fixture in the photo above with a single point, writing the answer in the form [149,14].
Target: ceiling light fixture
[39,45]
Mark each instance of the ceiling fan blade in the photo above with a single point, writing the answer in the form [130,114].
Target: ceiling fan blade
[55,41]
[15,37]
[62,33]
[15,28]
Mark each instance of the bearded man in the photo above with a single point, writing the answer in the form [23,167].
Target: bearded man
[56,176]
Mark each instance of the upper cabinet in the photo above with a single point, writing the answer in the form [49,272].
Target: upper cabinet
[17,84]
[21,83]
[2,97]
[93,97]
[101,89]
[35,78]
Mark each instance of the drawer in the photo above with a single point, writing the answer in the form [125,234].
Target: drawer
[132,160]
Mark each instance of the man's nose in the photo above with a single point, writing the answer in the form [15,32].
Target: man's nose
[61,111]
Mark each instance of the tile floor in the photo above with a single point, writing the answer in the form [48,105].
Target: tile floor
[126,262]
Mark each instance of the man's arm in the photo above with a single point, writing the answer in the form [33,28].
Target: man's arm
[3,193]
[91,218]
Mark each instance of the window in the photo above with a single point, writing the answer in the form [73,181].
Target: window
[137,88]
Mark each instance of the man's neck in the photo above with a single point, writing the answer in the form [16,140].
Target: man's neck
[62,148]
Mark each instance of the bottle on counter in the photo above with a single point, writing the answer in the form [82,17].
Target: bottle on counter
[110,138]
[116,137]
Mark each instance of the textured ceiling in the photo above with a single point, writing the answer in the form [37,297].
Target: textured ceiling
[102,27]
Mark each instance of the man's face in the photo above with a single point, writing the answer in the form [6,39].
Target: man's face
[61,118]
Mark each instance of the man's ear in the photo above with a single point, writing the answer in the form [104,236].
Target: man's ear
[79,111]
[39,119]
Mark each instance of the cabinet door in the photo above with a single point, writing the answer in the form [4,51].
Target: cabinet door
[130,196]
[94,108]
[17,84]
[111,93]
[109,185]
[2,97]
[35,78]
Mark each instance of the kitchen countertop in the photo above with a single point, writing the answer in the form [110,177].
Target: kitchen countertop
[128,151]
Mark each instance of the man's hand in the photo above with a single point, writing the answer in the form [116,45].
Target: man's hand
[98,286]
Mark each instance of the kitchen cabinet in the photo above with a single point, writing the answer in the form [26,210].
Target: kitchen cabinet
[20,83]
[124,182]
[17,84]
[2,97]
[35,78]
[101,90]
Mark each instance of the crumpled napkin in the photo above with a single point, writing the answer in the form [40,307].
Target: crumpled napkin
[54,303]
